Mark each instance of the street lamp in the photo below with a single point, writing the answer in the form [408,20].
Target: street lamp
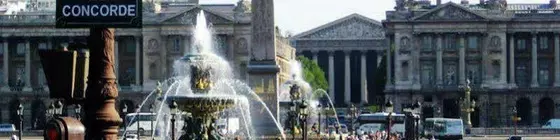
[124,110]
[58,108]
[515,120]
[138,121]
[389,109]
[320,109]
[151,118]
[353,114]
[292,118]
[78,111]
[303,117]
[173,107]
[417,109]
[20,114]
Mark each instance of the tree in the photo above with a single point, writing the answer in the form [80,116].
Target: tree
[313,74]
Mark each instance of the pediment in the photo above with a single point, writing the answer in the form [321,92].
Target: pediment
[450,11]
[188,17]
[351,27]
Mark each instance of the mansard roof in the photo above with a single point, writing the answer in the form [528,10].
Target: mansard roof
[354,26]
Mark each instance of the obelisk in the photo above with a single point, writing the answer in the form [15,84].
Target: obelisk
[263,68]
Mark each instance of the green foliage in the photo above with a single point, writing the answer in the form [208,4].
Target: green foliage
[373,108]
[313,74]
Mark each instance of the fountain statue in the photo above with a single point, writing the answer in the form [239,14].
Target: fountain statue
[202,105]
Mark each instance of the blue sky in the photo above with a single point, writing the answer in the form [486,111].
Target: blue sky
[297,16]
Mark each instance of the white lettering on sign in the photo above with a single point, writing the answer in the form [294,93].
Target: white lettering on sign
[98,10]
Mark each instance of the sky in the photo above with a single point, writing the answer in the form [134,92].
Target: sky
[296,16]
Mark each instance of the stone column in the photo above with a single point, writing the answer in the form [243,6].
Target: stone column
[27,86]
[556,60]
[314,54]
[49,43]
[347,96]
[6,66]
[512,61]
[187,48]
[388,63]
[534,57]
[462,59]
[363,79]
[138,61]
[331,75]
[439,60]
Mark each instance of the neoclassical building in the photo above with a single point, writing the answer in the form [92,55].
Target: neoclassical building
[510,53]
[348,50]
[143,56]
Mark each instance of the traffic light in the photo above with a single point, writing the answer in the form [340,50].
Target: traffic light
[64,128]
[66,71]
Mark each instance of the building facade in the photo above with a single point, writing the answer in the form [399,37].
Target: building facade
[349,51]
[510,53]
[143,56]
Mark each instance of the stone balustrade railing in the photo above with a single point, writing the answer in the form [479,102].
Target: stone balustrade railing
[510,131]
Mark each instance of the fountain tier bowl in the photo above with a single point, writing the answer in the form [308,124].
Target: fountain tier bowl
[203,105]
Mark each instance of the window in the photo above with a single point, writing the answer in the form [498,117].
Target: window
[473,42]
[20,49]
[427,74]
[427,42]
[473,73]
[543,43]
[521,44]
[405,70]
[450,74]
[405,43]
[544,74]
[130,47]
[450,41]
[521,75]
[496,70]
[177,44]
[42,46]
[1,49]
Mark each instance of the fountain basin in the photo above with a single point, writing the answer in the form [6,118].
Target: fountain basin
[203,105]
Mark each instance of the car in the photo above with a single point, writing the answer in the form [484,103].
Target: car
[7,127]
[552,124]
[515,138]
[131,137]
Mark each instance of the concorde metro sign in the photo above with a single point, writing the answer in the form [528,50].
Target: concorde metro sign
[98,13]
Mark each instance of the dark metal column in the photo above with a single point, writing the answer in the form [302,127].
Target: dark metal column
[102,120]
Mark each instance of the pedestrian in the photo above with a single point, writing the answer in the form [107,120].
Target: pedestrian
[14,137]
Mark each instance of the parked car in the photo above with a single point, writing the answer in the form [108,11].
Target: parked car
[131,137]
[552,124]
[7,127]
[515,138]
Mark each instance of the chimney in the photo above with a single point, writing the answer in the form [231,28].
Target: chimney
[465,2]
[553,4]
[438,2]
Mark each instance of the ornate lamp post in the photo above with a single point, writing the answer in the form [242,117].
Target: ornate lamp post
[292,118]
[138,121]
[353,115]
[303,117]
[417,107]
[468,106]
[515,120]
[124,111]
[20,114]
[78,111]
[151,119]
[173,107]
[328,111]
[58,108]
[320,109]
[389,109]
